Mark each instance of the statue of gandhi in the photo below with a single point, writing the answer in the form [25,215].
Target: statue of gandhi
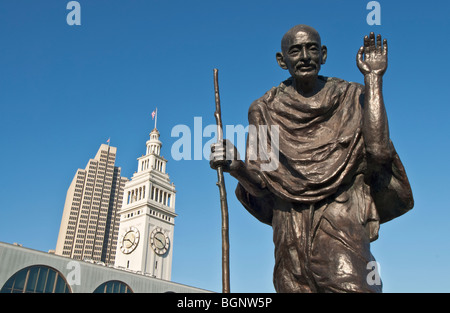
[338,175]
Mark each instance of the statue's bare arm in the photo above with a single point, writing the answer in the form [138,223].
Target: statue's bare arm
[372,62]
[226,155]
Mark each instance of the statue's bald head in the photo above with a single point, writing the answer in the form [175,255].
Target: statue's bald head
[291,33]
[302,53]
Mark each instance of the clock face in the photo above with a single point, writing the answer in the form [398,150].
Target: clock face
[159,241]
[129,240]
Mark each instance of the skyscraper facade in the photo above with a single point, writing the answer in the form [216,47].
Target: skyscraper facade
[90,220]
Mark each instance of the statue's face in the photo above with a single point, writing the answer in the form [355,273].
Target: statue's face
[303,54]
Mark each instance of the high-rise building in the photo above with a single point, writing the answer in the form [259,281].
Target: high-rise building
[147,216]
[90,220]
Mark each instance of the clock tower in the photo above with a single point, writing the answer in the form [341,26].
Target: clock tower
[145,241]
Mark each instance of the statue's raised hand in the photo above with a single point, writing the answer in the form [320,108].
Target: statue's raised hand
[372,56]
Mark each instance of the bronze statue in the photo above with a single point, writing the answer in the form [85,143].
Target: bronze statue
[338,175]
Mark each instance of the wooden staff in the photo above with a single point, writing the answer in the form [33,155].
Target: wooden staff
[223,195]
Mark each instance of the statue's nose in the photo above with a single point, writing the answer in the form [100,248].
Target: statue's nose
[304,55]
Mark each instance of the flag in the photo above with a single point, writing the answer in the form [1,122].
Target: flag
[155,115]
[108,140]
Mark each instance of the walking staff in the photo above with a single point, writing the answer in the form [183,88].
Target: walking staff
[223,195]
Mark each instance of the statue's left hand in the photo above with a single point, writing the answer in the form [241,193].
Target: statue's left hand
[372,56]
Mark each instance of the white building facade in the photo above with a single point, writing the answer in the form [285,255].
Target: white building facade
[145,241]
[27,270]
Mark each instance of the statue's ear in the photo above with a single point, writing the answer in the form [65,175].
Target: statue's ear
[324,54]
[280,60]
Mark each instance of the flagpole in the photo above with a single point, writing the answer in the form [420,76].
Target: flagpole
[156,116]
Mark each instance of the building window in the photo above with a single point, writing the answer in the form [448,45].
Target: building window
[36,279]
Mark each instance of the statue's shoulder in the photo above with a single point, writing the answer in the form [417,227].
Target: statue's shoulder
[260,103]
[340,81]
[272,93]
[344,87]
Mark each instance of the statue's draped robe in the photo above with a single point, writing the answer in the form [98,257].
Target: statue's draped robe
[324,205]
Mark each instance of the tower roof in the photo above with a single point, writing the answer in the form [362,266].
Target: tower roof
[154,131]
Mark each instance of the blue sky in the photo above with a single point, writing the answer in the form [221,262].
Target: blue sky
[64,90]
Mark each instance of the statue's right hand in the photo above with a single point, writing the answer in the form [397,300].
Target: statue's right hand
[372,56]
[224,154]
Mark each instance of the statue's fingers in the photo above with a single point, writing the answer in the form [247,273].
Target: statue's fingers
[359,55]
[366,47]
[385,47]
[217,156]
[379,43]
[218,147]
[372,47]
[220,144]
[219,150]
